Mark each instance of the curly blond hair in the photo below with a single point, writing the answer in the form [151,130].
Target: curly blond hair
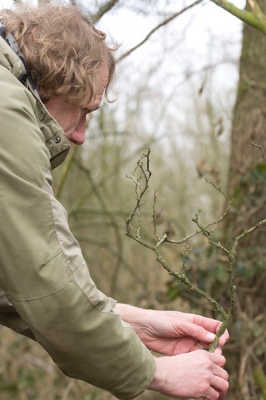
[63,50]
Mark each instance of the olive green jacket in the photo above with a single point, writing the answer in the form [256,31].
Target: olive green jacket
[46,290]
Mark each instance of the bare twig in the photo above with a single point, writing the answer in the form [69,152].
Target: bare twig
[103,10]
[141,185]
[254,18]
[259,145]
[163,23]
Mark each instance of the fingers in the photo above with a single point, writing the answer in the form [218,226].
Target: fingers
[218,350]
[197,332]
[217,358]
[222,395]
[209,337]
[224,338]
[218,384]
[210,326]
[219,379]
[213,394]
[219,374]
[204,336]
[210,380]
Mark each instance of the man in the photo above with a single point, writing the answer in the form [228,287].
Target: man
[54,70]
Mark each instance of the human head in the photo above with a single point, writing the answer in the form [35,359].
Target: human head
[62,48]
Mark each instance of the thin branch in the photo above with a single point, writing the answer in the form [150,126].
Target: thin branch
[163,23]
[254,18]
[181,276]
[116,253]
[103,10]
[139,192]
[259,145]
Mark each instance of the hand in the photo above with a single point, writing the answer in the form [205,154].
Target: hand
[171,332]
[198,374]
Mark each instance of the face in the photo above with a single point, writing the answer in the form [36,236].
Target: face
[73,118]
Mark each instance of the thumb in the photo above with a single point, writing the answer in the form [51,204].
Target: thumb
[209,336]
[198,332]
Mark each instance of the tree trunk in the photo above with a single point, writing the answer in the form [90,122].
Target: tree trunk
[247,176]
[247,185]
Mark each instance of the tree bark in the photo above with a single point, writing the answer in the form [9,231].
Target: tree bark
[247,185]
[247,175]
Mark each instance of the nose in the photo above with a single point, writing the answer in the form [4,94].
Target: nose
[78,136]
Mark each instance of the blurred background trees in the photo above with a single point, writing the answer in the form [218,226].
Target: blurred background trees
[179,95]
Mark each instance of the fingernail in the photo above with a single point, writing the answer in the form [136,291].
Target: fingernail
[210,336]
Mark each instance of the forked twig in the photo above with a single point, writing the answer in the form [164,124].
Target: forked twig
[141,183]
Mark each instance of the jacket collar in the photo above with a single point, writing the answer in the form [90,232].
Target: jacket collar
[55,139]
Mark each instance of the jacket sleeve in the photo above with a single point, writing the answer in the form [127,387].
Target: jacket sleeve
[11,319]
[42,270]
